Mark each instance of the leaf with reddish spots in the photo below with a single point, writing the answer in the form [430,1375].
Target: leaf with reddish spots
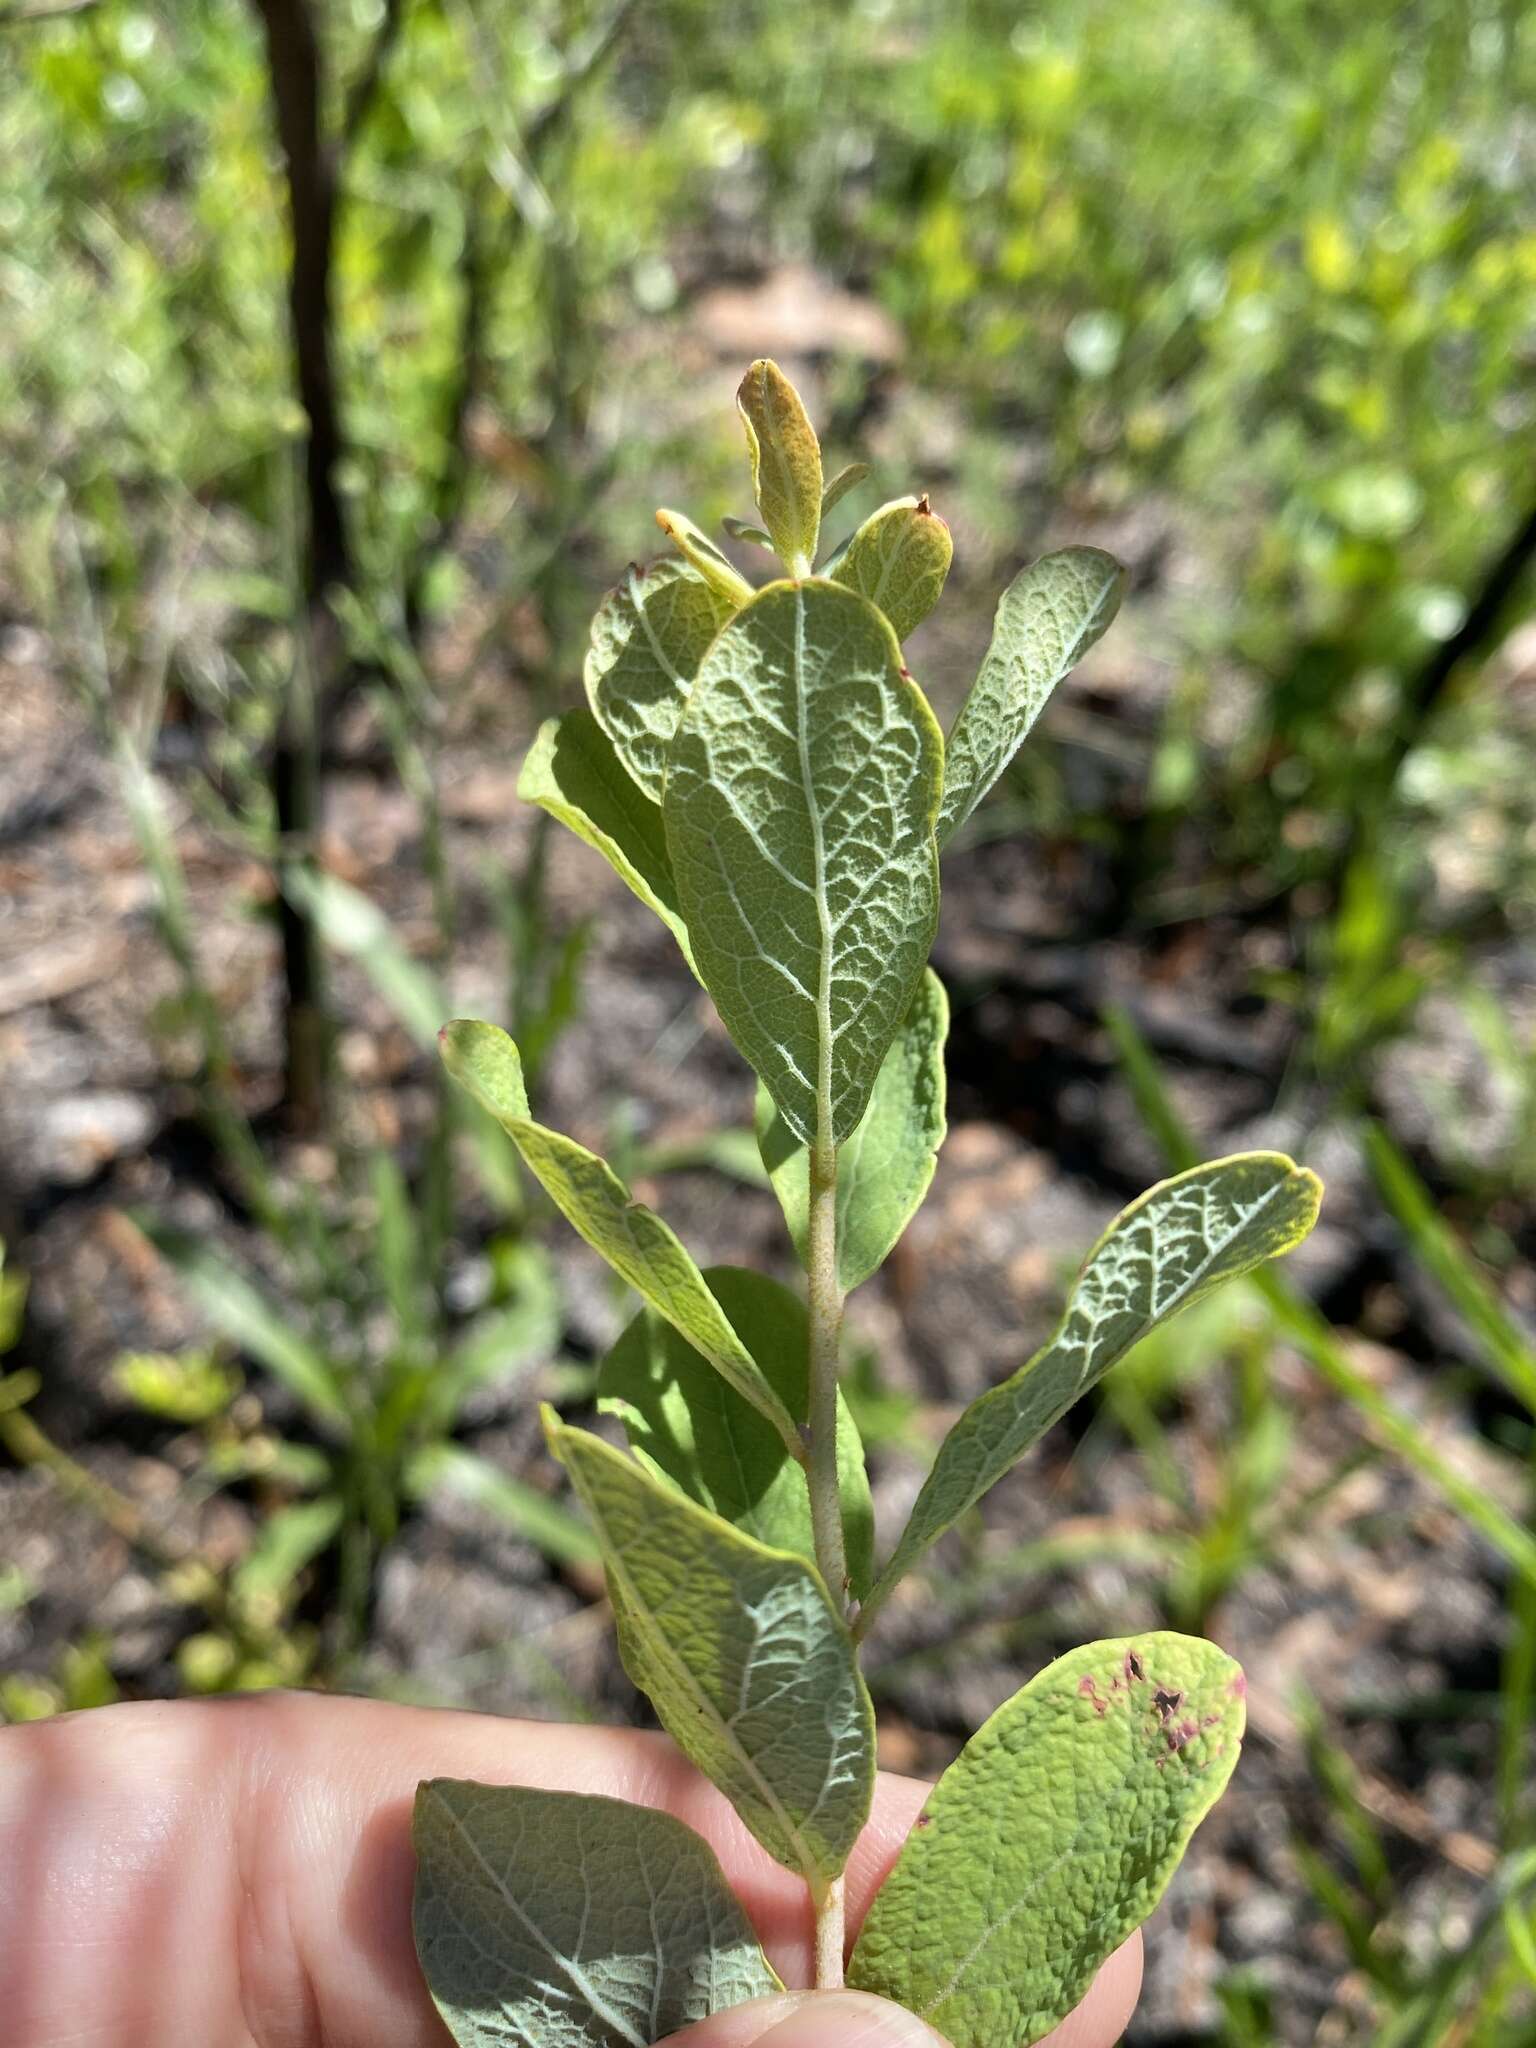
[1051,1837]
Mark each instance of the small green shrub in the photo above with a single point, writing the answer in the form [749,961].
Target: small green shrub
[764,772]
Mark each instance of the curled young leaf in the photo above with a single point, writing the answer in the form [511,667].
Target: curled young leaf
[847,479]
[786,463]
[572,1921]
[597,1205]
[750,1670]
[885,1166]
[648,638]
[741,529]
[1051,1836]
[801,793]
[697,548]
[1168,1250]
[898,559]
[1047,619]
[687,1425]
[572,771]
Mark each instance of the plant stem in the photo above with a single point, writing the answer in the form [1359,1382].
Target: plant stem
[829,1938]
[826,1306]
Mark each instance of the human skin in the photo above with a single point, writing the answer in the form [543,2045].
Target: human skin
[237,1874]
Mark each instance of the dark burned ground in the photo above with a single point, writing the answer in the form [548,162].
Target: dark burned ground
[1374,1599]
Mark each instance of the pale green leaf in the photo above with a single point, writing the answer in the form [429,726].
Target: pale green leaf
[696,547]
[738,1647]
[1047,619]
[847,479]
[1164,1253]
[1051,1836]
[597,1205]
[741,529]
[898,559]
[565,1920]
[801,794]
[572,772]
[684,1423]
[786,463]
[648,638]
[884,1168]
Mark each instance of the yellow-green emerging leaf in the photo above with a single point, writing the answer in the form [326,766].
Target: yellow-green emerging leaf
[1164,1253]
[786,463]
[700,550]
[899,559]
[648,639]
[1047,619]
[595,1202]
[571,1921]
[884,1168]
[750,1670]
[801,794]
[1051,1836]
[847,479]
[572,772]
[684,1423]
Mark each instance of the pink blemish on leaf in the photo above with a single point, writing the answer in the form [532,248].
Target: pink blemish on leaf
[1239,1686]
[1090,1691]
[1177,1737]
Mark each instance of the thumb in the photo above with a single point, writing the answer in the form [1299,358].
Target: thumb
[812,2019]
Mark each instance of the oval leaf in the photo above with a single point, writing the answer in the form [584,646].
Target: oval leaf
[786,463]
[597,1205]
[696,547]
[572,771]
[800,801]
[1168,1250]
[739,1650]
[572,1921]
[899,559]
[1047,619]
[1051,1836]
[648,638]
[685,1424]
[884,1168]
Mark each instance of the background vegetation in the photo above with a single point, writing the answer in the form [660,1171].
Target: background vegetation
[347,350]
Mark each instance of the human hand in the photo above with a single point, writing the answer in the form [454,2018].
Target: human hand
[237,1874]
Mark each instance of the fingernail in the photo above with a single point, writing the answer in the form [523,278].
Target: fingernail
[850,2019]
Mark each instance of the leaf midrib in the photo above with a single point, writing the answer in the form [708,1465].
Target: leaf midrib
[578,1978]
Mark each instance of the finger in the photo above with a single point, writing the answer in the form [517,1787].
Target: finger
[852,2019]
[240,1871]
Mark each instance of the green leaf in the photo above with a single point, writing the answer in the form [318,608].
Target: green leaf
[801,794]
[899,559]
[847,479]
[685,1424]
[1167,1251]
[565,1920]
[700,550]
[1047,619]
[737,1645]
[573,773]
[741,529]
[884,1168]
[786,463]
[597,1205]
[648,639]
[353,923]
[1051,1836]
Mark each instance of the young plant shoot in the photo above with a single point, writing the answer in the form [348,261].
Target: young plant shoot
[761,768]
